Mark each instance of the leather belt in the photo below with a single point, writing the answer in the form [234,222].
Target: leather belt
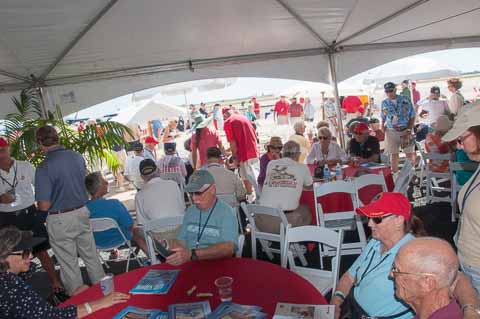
[65,210]
[20,211]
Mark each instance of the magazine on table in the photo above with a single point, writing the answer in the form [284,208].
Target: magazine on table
[156,281]
[290,310]
[192,310]
[229,310]
[131,312]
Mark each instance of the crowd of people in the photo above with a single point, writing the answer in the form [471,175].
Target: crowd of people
[401,273]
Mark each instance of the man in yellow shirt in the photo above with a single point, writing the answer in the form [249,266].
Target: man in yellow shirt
[298,137]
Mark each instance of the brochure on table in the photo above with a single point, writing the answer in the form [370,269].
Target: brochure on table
[131,312]
[289,310]
[192,310]
[156,281]
[229,310]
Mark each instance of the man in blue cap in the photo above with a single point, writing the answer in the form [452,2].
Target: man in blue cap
[210,227]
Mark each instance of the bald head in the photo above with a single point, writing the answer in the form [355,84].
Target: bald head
[430,255]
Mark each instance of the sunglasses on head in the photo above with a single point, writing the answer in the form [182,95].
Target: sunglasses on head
[323,138]
[379,220]
[200,193]
[25,254]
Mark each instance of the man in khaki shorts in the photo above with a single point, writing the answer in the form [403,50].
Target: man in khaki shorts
[398,117]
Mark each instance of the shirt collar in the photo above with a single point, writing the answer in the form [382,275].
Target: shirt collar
[407,237]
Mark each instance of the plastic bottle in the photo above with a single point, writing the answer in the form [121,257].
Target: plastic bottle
[326,173]
[338,172]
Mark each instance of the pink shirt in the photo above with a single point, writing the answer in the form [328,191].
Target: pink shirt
[208,138]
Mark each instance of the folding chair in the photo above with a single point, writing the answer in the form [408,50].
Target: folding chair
[104,224]
[422,163]
[344,220]
[324,280]
[369,180]
[161,224]
[231,200]
[434,179]
[241,242]
[453,168]
[404,177]
[264,238]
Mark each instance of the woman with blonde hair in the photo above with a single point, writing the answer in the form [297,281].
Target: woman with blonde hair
[325,151]
[456,101]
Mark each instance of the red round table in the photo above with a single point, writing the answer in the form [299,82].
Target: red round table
[255,283]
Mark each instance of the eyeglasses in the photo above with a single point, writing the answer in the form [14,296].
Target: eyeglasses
[200,193]
[379,220]
[276,148]
[395,272]
[461,139]
[25,254]
[325,138]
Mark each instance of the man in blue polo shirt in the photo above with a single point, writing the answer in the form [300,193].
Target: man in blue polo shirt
[210,227]
[99,207]
[60,193]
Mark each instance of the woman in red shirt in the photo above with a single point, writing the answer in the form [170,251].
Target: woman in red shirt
[203,138]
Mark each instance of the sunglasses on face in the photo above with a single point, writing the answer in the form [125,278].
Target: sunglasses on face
[25,254]
[325,138]
[279,148]
[200,193]
[379,220]
[461,139]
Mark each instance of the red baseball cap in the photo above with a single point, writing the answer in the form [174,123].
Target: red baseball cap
[150,140]
[3,142]
[360,127]
[386,204]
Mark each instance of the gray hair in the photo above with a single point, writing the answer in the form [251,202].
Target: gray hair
[93,181]
[324,131]
[9,238]
[291,149]
[298,125]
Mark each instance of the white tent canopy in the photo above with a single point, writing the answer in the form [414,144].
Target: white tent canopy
[147,110]
[85,52]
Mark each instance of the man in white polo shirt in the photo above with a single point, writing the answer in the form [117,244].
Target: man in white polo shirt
[17,206]
[285,180]
[132,171]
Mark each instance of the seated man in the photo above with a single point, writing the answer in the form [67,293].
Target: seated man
[226,181]
[158,198]
[210,227]
[425,274]
[132,172]
[363,145]
[285,180]
[100,207]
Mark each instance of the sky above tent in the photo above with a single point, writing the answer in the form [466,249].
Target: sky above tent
[463,60]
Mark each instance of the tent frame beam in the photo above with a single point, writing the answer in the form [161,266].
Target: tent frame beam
[77,38]
[304,23]
[14,76]
[382,21]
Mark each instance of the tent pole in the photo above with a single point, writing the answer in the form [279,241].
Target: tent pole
[42,102]
[333,82]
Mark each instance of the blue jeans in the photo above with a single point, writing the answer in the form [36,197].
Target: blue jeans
[473,274]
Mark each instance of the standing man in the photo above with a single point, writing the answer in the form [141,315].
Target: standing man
[296,111]
[256,107]
[17,206]
[406,90]
[132,170]
[330,110]
[432,108]
[150,148]
[243,144]
[398,117]
[60,193]
[416,94]
[280,112]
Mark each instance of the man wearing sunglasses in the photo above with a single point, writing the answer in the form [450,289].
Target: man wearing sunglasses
[210,227]
[363,145]
[425,273]
[398,117]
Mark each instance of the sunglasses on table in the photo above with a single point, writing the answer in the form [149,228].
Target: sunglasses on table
[395,272]
[200,193]
[25,254]
[379,220]
[461,139]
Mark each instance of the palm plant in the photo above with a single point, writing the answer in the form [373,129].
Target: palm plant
[95,142]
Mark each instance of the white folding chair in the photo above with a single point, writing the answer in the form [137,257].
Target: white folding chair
[161,224]
[367,180]
[454,167]
[422,163]
[404,177]
[345,220]
[323,280]
[231,200]
[104,224]
[434,179]
[252,211]
[241,242]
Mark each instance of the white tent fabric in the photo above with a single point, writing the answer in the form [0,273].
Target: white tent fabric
[148,110]
[85,52]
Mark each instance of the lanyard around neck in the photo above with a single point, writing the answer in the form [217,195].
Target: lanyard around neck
[470,189]
[200,233]
[15,181]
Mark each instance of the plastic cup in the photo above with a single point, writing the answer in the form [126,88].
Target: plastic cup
[107,284]
[224,285]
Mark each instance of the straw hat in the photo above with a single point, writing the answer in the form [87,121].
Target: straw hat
[442,124]
[274,141]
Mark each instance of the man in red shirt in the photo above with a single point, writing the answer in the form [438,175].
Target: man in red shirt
[416,95]
[296,111]
[256,107]
[243,144]
[280,112]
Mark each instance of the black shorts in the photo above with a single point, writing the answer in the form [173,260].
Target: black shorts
[29,219]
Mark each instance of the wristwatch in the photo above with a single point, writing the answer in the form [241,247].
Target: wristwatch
[194,255]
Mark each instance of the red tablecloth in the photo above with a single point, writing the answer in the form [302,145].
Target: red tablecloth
[255,283]
[341,202]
